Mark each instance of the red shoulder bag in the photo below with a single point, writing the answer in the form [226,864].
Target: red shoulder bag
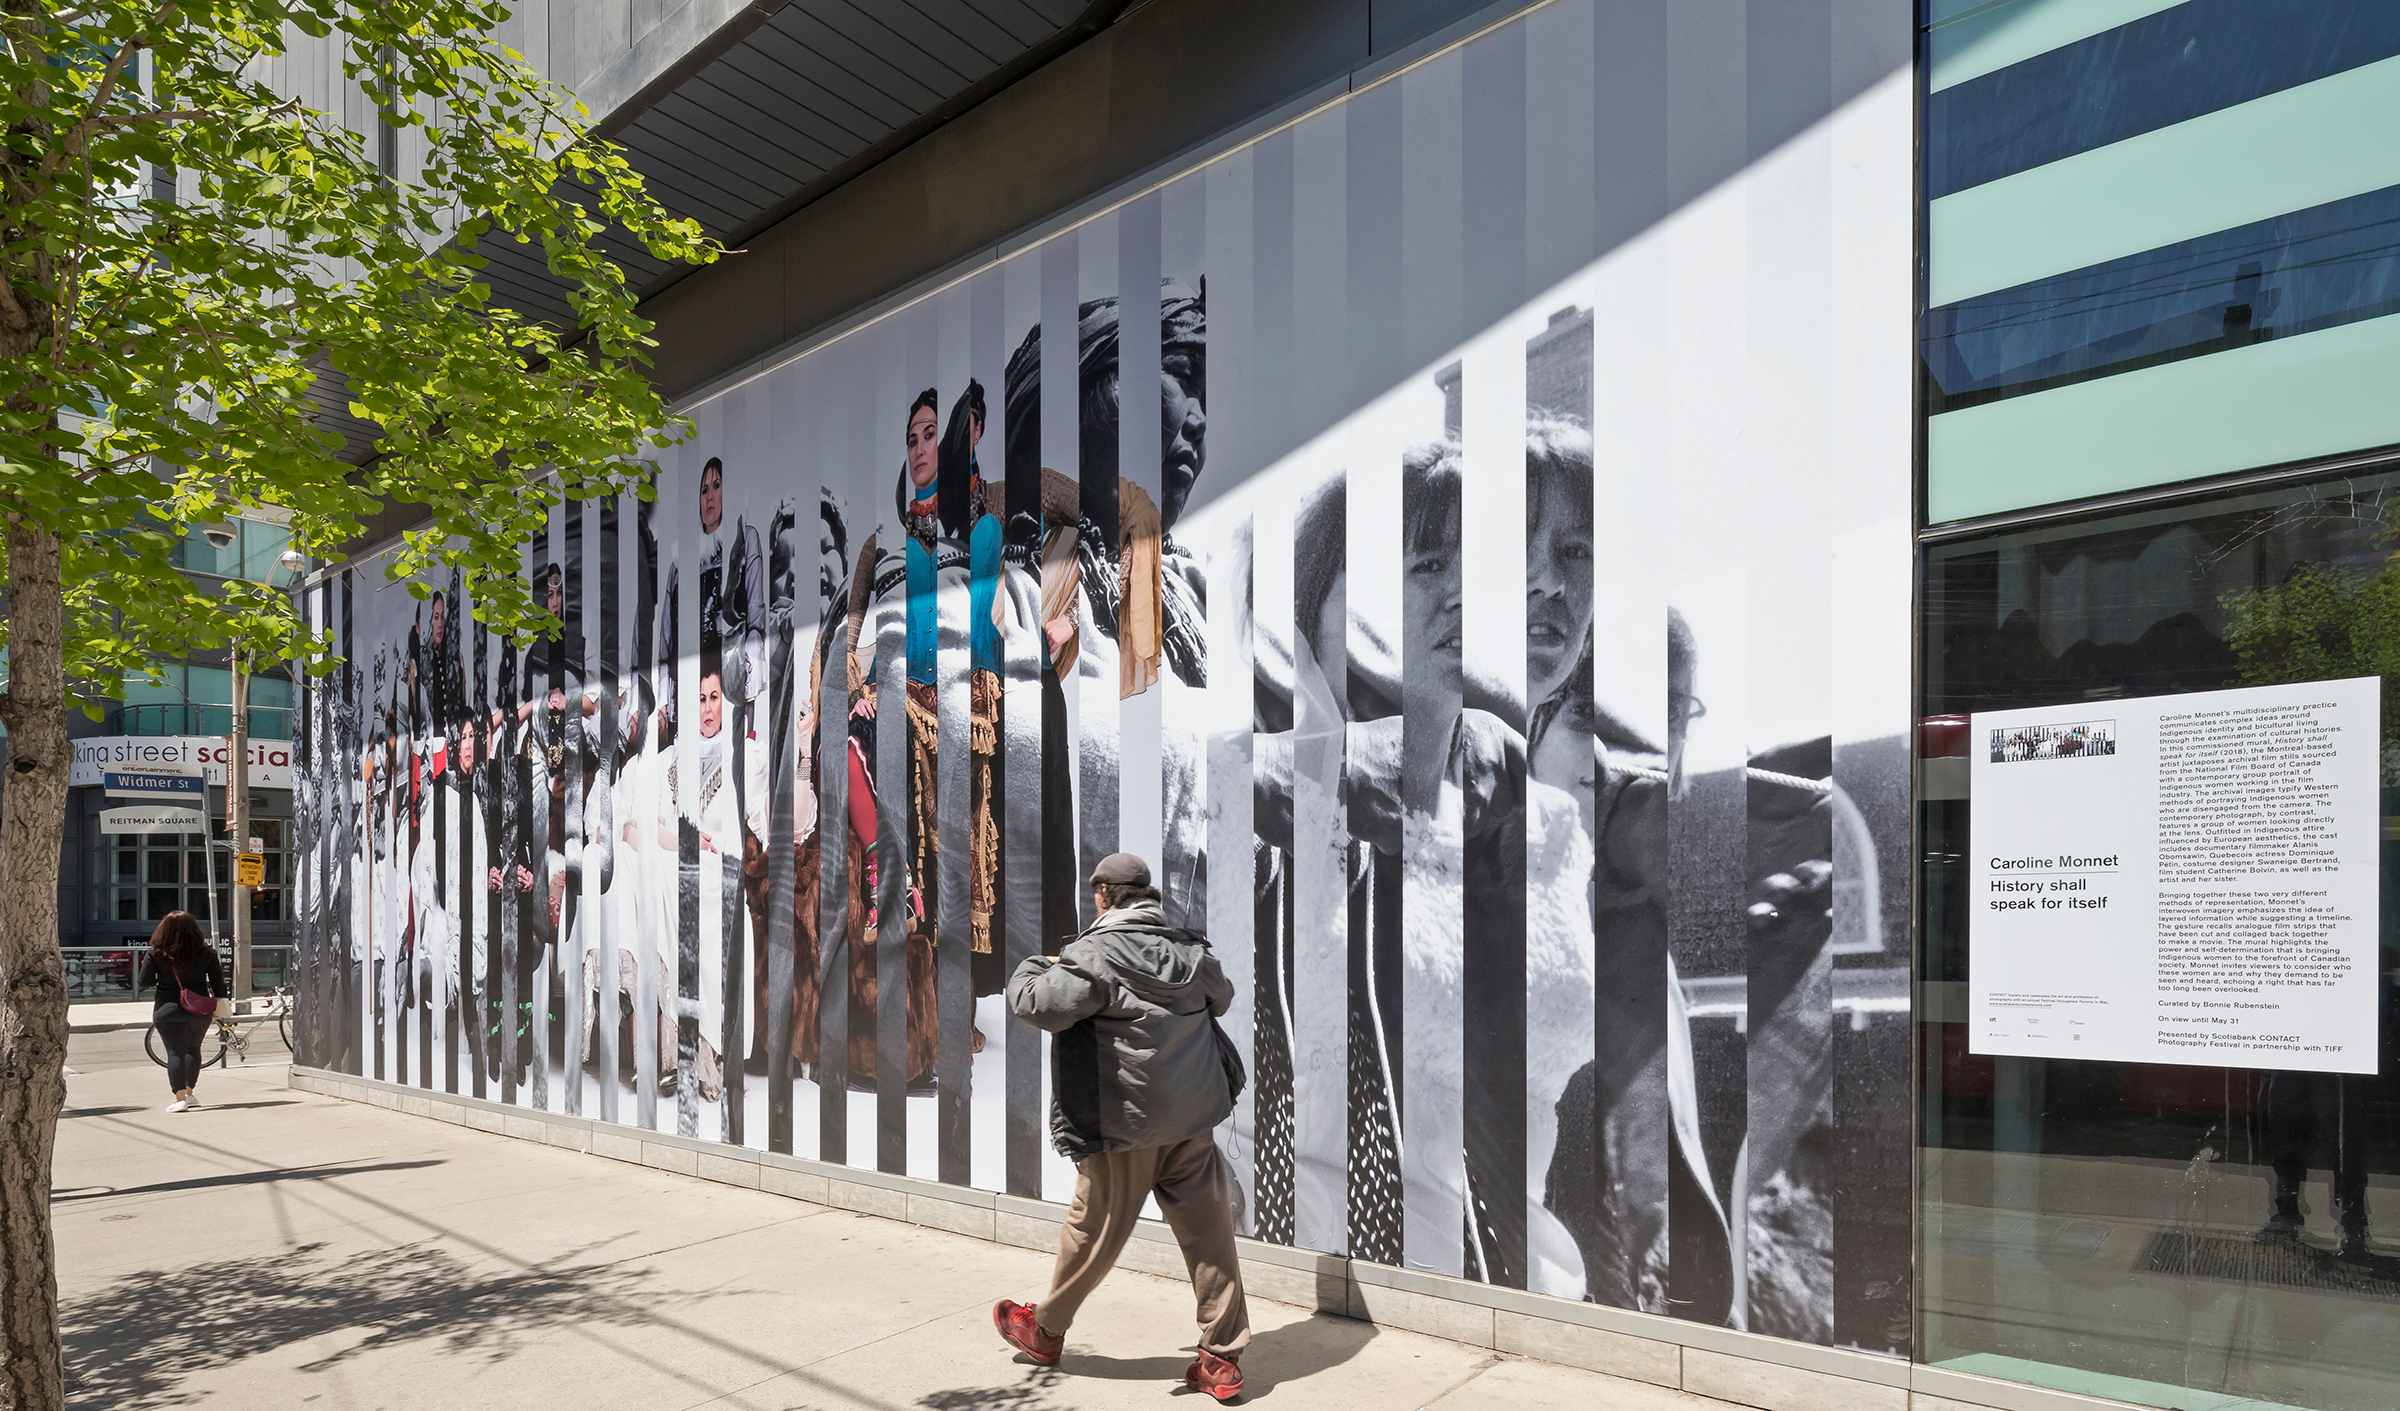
[191,999]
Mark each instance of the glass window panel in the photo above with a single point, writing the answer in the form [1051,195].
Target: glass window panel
[195,867]
[167,690]
[165,867]
[270,691]
[129,904]
[255,552]
[156,719]
[270,724]
[128,866]
[262,544]
[270,967]
[209,685]
[269,831]
[266,904]
[2142,1231]
[2095,146]
[197,555]
[274,861]
[163,900]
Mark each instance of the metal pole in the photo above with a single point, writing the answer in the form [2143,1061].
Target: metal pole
[208,862]
[237,813]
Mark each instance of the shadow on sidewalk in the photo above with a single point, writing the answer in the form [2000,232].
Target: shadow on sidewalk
[1275,1355]
[61,1195]
[152,1339]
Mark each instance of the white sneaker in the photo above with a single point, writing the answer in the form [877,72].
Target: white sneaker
[180,1104]
[192,1101]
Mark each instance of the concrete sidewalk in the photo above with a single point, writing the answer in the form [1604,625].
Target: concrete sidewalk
[95,1017]
[106,1017]
[276,1248]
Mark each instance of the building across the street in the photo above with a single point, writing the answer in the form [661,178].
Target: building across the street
[1757,628]
[115,886]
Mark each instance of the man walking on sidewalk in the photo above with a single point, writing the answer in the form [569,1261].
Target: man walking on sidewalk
[1140,1074]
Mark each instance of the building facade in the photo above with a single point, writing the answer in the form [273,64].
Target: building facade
[2159,273]
[1775,428]
[115,887]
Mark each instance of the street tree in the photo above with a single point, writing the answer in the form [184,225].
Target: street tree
[185,253]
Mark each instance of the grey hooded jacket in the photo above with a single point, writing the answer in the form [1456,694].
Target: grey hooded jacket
[1135,1062]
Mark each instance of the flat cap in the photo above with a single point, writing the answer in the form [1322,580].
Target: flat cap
[1121,869]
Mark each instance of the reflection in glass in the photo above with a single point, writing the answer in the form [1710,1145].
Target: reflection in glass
[2134,1230]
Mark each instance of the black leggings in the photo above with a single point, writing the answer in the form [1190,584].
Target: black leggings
[180,1030]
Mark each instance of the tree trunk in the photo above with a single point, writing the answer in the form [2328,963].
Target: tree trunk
[33,975]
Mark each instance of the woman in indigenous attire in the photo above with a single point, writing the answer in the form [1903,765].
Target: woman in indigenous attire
[972,511]
[916,575]
[921,516]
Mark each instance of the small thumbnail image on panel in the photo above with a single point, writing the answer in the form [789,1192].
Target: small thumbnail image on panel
[2082,740]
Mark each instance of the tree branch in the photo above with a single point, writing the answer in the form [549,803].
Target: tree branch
[116,66]
[75,140]
[177,115]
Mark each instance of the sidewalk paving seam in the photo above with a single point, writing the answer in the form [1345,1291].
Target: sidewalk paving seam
[798,1368]
[676,1326]
[801,1368]
[1474,1375]
[255,1166]
[117,1120]
[673,1325]
[699,1244]
[338,1222]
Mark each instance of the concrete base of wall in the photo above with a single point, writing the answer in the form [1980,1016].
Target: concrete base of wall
[1743,1368]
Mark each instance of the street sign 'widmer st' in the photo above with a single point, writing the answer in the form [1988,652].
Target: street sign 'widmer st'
[170,798]
[179,785]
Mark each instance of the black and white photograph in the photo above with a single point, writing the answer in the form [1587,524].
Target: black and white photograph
[823,659]
[1557,871]
[2084,739]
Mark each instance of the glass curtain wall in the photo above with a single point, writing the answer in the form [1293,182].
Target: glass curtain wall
[2162,245]
[145,876]
[254,551]
[2159,242]
[198,700]
[2150,1231]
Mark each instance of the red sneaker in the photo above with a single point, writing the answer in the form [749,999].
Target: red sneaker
[1017,1323]
[1220,1377]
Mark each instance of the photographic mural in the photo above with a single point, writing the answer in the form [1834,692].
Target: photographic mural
[1461,648]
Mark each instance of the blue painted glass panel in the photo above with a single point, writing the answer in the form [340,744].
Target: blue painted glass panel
[2162,69]
[2331,264]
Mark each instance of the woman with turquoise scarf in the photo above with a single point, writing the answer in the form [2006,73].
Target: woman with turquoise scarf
[972,510]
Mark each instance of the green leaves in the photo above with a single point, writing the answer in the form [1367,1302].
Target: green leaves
[2323,622]
[206,334]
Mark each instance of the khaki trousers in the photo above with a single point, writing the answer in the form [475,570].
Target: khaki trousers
[1195,1193]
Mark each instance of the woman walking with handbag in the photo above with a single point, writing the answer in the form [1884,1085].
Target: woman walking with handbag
[179,957]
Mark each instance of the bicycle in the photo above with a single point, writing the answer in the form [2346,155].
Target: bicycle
[231,1037]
